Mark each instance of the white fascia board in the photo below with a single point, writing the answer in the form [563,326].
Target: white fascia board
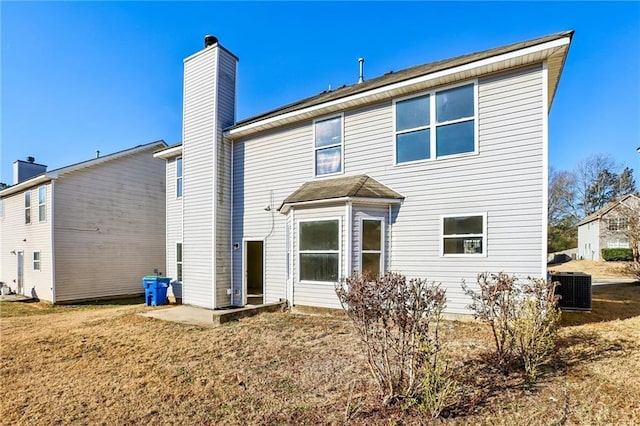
[358,200]
[168,153]
[34,181]
[550,46]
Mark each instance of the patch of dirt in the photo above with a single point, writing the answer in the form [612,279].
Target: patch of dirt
[597,269]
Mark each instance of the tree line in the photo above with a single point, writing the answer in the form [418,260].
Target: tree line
[574,194]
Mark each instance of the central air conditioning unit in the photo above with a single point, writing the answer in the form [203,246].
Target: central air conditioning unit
[574,291]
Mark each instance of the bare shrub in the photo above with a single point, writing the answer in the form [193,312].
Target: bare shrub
[524,318]
[536,324]
[438,390]
[495,305]
[397,319]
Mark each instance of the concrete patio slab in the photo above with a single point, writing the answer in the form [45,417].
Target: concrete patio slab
[209,318]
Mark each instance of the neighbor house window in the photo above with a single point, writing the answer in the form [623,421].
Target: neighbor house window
[435,124]
[617,224]
[36,260]
[319,248]
[618,244]
[179,262]
[464,235]
[42,203]
[179,177]
[27,207]
[328,146]
[371,254]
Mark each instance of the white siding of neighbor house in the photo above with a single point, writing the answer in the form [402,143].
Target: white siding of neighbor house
[504,180]
[589,240]
[109,227]
[209,76]
[17,236]
[174,228]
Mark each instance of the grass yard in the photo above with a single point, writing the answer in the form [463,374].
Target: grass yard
[107,365]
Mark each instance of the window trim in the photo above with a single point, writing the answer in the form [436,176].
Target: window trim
[434,125]
[179,178]
[618,222]
[339,251]
[383,228]
[483,235]
[179,262]
[27,195]
[42,204]
[313,145]
[38,261]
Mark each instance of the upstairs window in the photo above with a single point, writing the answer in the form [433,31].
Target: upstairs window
[327,136]
[27,207]
[319,247]
[179,177]
[436,124]
[464,235]
[617,224]
[42,203]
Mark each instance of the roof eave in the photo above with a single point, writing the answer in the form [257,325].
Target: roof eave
[555,49]
[170,152]
[34,181]
[285,207]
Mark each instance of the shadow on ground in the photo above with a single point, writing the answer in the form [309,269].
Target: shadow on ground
[609,302]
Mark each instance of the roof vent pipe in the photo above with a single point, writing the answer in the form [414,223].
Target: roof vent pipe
[30,159]
[361,78]
[97,153]
[210,40]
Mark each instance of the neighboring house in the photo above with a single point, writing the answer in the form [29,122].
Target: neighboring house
[606,228]
[86,231]
[438,171]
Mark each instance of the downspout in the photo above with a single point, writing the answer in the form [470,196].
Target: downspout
[53,245]
[349,237]
[231,224]
[389,241]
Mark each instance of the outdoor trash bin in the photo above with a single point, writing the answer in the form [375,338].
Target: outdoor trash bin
[155,290]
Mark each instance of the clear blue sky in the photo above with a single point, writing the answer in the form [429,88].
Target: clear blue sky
[81,76]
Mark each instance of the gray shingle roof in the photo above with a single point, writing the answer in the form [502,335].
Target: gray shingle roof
[406,74]
[606,209]
[361,186]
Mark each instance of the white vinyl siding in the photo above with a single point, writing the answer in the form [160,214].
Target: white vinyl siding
[589,240]
[105,251]
[16,236]
[504,179]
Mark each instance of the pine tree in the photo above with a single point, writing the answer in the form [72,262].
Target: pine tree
[626,183]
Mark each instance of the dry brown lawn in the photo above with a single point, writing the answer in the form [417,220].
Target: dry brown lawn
[111,366]
[597,269]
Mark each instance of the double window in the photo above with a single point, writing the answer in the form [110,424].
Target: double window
[179,177]
[371,252]
[319,250]
[617,224]
[27,206]
[327,135]
[42,203]
[436,124]
[464,235]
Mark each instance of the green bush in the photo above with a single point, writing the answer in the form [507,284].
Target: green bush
[612,254]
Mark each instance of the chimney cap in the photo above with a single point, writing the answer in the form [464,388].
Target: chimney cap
[210,40]
[31,159]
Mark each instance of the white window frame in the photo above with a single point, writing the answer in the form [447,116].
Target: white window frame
[433,125]
[42,205]
[179,178]
[38,261]
[382,242]
[341,145]
[618,224]
[27,196]
[179,262]
[483,235]
[339,251]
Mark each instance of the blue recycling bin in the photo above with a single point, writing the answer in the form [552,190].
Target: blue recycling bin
[155,289]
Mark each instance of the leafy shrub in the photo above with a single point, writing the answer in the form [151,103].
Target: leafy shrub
[614,254]
[397,319]
[524,318]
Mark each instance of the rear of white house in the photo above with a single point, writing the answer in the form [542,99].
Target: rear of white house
[86,231]
[438,171]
